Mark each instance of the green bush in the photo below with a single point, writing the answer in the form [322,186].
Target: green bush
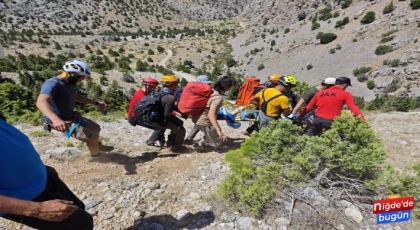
[230,62]
[389,8]
[260,67]
[325,14]
[345,3]
[361,73]
[160,49]
[315,26]
[383,49]
[301,16]
[387,38]
[368,18]
[370,84]
[326,38]
[287,30]
[342,23]
[150,52]
[415,4]
[395,63]
[273,43]
[277,154]
[360,101]
[309,67]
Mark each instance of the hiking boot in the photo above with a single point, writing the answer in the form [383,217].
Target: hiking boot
[150,143]
[178,149]
[105,148]
[100,157]
[188,142]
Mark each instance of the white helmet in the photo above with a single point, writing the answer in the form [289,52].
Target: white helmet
[77,67]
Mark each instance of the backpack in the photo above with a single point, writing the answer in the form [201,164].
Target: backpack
[178,93]
[264,105]
[149,109]
[247,89]
[194,98]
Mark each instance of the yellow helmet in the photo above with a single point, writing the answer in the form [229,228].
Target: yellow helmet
[288,80]
[274,77]
[168,79]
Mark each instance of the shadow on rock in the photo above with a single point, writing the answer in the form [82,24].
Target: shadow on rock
[185,220]
[230,144]
[130,162]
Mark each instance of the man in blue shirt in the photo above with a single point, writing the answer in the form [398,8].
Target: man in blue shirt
[57,102]
[31,193]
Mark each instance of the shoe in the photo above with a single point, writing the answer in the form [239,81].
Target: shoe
[188,142]
[150,143]
[168,145]
[100,157]
[162,143]
[199,145]
[178,149]
[105,148]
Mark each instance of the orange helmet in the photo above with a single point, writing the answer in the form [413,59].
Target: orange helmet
[274,77]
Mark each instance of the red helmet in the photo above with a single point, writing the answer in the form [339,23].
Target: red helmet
[150,81]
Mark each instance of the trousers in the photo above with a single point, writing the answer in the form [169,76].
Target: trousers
[56,189]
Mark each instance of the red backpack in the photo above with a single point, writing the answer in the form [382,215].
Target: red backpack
[246,91]
[194,98]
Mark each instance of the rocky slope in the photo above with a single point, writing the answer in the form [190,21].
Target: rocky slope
[142,187]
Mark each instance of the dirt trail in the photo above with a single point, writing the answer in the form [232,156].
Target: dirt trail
[187,76]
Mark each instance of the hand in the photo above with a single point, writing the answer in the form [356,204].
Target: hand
[222,136]
[55,210]
[60,125]
[102,104]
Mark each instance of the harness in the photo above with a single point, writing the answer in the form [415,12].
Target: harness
[81,121]
[264,105]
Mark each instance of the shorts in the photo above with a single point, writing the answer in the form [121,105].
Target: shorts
[83,132]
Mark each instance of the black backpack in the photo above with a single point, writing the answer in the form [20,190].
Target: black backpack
[178,93]
[149,109]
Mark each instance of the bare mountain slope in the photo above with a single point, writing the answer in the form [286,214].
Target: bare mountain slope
[297,51]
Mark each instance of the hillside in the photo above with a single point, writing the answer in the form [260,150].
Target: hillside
[175,191]
[125,41]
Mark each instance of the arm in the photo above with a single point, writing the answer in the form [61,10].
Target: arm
[43,104]
[213,120]
[52,210]
[255,101]
[309,106]
[287,112]
[352,106]
[298,105]
[85,100]
[168,102]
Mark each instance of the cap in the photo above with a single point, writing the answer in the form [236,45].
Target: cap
[203,79]
[329,81]
[343,80]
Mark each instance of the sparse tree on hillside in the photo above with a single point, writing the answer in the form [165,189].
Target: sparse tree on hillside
[368,18]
